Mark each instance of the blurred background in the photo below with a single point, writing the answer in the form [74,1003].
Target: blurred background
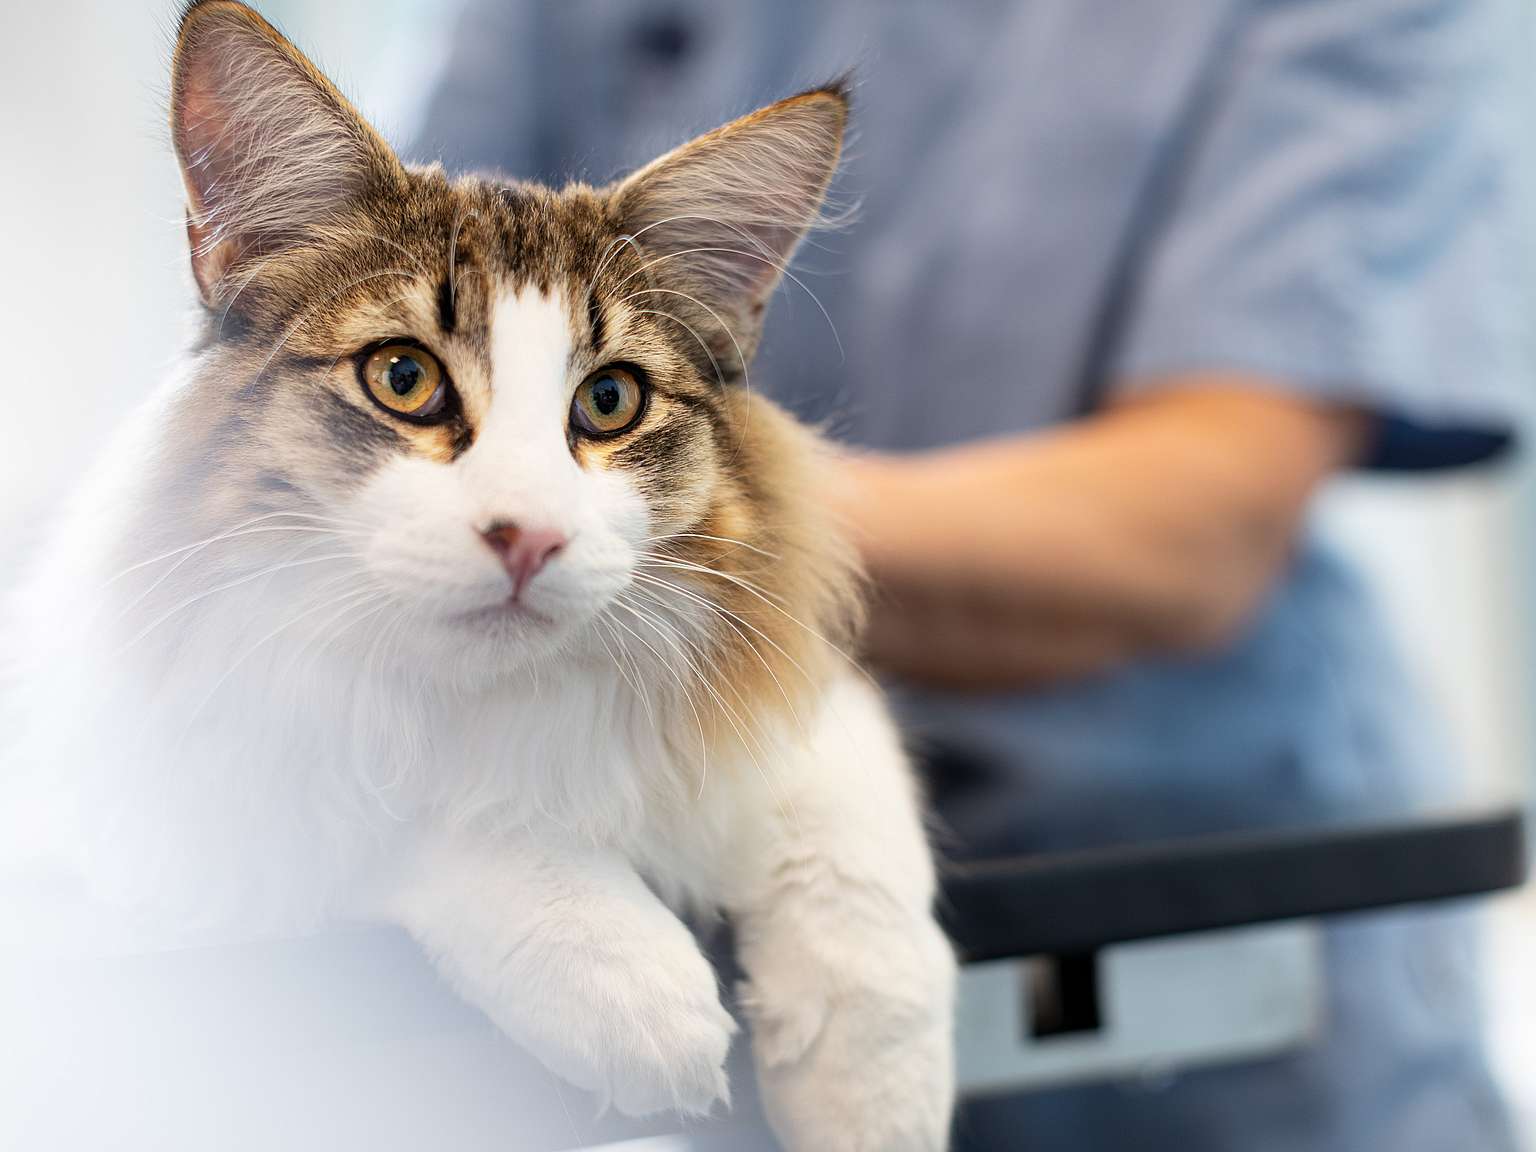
[97,294]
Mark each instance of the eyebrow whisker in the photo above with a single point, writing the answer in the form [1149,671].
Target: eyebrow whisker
[453,282]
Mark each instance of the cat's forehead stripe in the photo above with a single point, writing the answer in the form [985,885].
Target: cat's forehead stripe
[447,306]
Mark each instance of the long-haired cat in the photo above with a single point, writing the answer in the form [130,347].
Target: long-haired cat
[460,581]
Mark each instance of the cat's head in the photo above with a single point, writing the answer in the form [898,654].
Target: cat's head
[511,414]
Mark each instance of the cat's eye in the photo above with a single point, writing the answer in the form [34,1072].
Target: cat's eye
[405,380]
[609,401]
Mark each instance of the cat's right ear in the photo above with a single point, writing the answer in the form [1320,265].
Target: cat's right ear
[268,147]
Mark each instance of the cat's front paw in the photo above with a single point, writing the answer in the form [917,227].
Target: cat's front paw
[857,1057]
[640,1024]
[669,1054]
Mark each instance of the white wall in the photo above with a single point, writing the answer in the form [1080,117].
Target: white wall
[1448,558]
[90,227]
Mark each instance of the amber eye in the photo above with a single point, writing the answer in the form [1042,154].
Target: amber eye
[607,402]
[405,380]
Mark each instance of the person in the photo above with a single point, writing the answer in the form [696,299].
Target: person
[1126,283]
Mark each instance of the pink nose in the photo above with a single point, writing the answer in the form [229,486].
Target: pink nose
[522,551]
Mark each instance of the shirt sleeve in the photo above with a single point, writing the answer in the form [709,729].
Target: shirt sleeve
[1343,219]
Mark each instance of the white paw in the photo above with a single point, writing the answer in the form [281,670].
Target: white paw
[857,1057]
[637,1022]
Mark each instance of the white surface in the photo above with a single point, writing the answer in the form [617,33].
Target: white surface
[1512,1000]
[1167,1005]
[1448,560]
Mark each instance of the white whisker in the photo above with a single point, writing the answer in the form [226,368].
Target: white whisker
[753,590]
[601,625]
[741,358]
[453,254]
[665,665]
[305,313]
[348,597]
[782,268]
[353,232]
[225,534]
[717,539]
[227,585]
[715,364]
[663,560]
[732,619]
[742,728]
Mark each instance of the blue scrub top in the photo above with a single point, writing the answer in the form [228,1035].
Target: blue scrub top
[1063,200]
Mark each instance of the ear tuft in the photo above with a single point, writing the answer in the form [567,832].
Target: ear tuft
[721,216]
[268,146]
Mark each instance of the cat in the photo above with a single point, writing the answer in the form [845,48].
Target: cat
[460,580]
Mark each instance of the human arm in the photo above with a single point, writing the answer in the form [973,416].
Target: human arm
[1154,528]
[1331,277]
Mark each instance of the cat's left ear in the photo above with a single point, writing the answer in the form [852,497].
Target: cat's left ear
[720,217]
[268,147]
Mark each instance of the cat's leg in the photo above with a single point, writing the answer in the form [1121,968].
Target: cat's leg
[849,981]
[568,951]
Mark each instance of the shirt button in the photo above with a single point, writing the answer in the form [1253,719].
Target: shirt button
[663,39]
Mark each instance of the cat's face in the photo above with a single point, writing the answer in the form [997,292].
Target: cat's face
[482,392]
[505,406]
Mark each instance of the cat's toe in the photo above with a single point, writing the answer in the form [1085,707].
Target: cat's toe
[673,1058]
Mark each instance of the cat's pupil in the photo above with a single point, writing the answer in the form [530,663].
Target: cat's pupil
[607,395]
[403,375]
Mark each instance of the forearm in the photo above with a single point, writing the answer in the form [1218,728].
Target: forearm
[1154,528]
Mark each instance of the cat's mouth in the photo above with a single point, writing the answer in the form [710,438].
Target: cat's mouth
[510,610]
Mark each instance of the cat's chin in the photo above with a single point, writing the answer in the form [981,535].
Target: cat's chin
[504,636]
